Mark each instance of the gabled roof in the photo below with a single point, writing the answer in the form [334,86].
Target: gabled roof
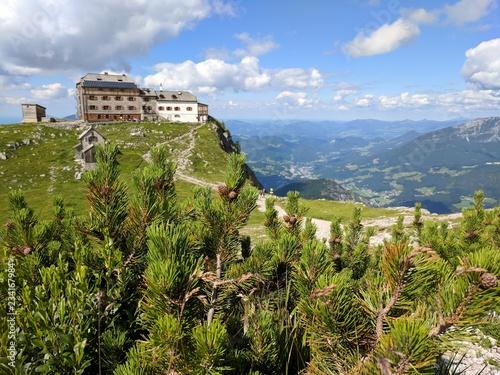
[87,130]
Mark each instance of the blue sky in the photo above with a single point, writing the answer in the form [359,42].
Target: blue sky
[257,59]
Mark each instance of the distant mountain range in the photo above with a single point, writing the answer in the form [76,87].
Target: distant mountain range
[439,164]
[365,128]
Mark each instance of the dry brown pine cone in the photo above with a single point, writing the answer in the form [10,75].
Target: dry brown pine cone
[489,280]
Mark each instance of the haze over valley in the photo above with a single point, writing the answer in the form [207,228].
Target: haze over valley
[439,164]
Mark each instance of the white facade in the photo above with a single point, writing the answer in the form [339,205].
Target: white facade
[181,106]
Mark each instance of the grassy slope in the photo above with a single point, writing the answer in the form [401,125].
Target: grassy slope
[46,167]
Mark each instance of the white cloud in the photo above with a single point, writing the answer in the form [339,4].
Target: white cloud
[215,75]
[294,99]
[50,92]
[469,101]
[390,36]
[365,101]
[341,94]
[255,47]
[57,35]
[224,8]
[386,38]
[468,10]
[482,65]
[404,100]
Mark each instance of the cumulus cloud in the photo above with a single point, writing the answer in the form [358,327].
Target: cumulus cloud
[215,75]
[468,10]
[55,35]
[50,92]
[365,101]
[482,65]
[294,99]
[404,100]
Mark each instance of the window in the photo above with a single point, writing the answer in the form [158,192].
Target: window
[131,99]
[106,107]
[177,108]
[189,108]
[131,108]
[118,98]
[177,116]
[92,97]
[94,107]
[146,99]
[169,108]
[161,108]
[106,98]
[99,116]
[119,107]
[92,138]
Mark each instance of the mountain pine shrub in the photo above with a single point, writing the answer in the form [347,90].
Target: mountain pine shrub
[144,285]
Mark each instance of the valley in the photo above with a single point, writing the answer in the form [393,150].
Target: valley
[439,164]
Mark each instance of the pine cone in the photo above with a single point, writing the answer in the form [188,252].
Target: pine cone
[488,280]
[21,251]
[223,190]
[293,220]
[233,195]
[286,218]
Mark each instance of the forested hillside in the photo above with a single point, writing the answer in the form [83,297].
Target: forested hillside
[387,163]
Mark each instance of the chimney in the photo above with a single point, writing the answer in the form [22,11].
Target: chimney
[161,87]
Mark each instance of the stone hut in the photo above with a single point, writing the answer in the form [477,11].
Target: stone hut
[86,150]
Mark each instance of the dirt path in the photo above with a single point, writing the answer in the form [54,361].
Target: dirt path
[383,224]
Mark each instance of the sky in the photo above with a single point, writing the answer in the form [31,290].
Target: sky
[261,59]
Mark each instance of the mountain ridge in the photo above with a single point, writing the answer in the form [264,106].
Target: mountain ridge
[444,165]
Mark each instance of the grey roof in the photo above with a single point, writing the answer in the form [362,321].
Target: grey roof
[110,85]
[89,129]
[36,105]
[181,96]
[88,148]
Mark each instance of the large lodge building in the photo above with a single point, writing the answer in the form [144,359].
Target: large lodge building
[112,97]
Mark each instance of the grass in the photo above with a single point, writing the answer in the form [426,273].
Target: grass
[327,210]
[44,166]
[42,163]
